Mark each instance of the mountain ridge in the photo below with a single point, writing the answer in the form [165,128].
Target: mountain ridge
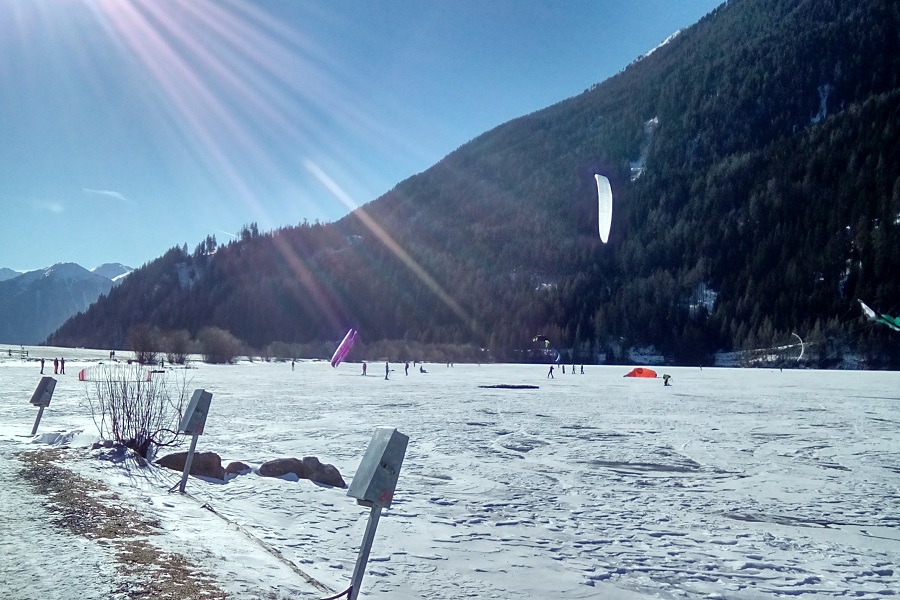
[36,303]
[769,182]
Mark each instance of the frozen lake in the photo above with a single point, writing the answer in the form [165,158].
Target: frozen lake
[729,483]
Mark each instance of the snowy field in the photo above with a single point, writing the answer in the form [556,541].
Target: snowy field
[730,483]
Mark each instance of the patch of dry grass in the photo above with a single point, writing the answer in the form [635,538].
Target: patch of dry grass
[89,509]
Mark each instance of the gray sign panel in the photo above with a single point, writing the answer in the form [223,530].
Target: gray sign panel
[43,392]
[376,478]
[194,419]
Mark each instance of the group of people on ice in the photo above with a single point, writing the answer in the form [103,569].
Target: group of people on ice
[550,374]
[59,366]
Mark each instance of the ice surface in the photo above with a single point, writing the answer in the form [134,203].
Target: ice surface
[730,483]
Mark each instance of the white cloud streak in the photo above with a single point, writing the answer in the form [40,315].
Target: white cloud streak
[108,193]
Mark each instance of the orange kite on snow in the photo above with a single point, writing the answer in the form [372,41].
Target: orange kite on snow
[641,372]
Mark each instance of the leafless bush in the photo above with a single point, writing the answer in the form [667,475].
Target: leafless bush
[218,346]
[282,350]
[144,341]
[176,343]
[137,408]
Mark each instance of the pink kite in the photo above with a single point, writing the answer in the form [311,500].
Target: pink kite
[343,348]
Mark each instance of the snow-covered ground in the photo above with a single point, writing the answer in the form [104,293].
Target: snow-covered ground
[730,483]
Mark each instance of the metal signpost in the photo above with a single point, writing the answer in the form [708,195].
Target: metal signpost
[192,423]
[41,398]
[373,486]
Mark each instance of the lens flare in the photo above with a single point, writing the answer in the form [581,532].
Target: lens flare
[390,243]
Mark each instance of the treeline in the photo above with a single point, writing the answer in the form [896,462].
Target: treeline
[755,164]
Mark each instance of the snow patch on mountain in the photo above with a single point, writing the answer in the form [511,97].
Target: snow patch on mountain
[660,45]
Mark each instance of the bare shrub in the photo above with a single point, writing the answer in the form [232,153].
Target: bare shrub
[283,350]
[144,341]
[218,346]
[250,353]
[176,344]
[138,409]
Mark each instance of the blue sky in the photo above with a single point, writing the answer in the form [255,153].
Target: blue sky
[129,127]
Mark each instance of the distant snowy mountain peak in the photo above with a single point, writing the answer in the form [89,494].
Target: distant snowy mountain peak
[8,273]
[69,271]
[114,271]
[34,304]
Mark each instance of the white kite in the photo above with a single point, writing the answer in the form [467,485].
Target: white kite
[802,345]
[604,206]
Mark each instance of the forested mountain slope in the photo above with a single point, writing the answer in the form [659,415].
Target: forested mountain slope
[755,163]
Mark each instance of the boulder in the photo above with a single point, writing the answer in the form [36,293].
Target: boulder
[204,464]
[309,468]
[281,467]
[237,468]
[323,473]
